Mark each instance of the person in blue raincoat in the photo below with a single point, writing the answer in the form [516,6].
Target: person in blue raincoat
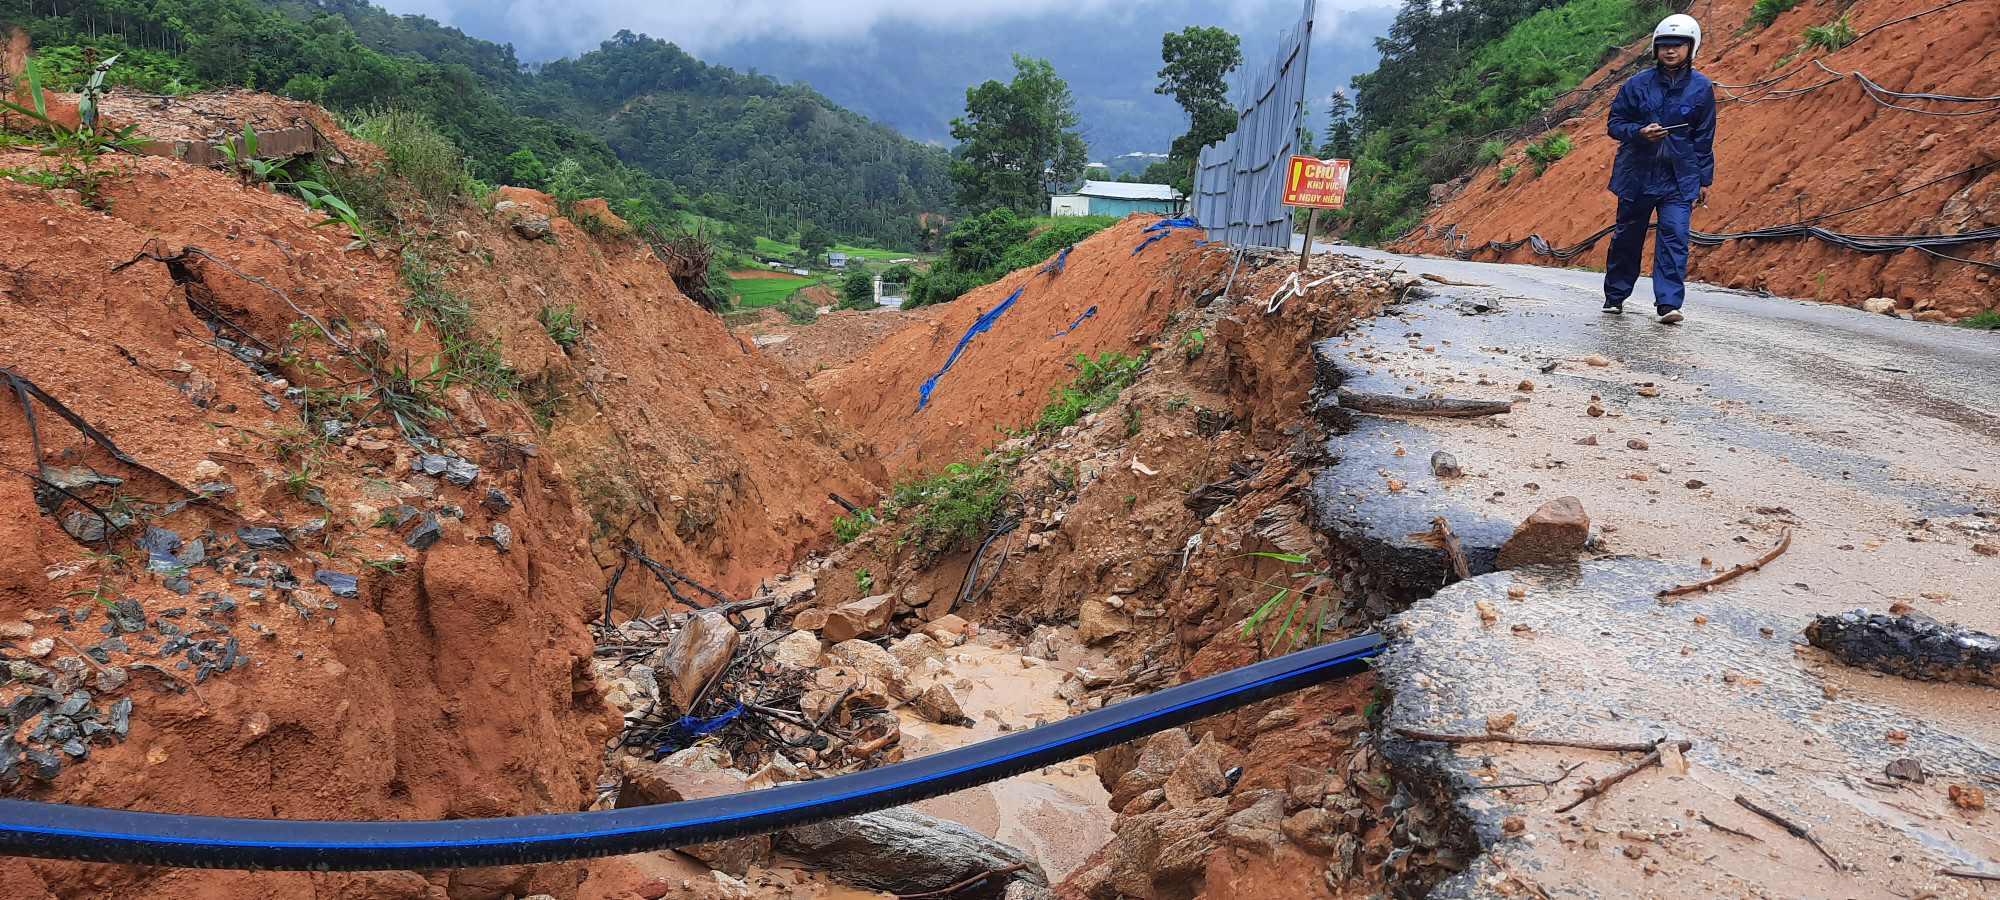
[1664,122]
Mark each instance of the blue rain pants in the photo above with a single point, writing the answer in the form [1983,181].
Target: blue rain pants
[1670,249]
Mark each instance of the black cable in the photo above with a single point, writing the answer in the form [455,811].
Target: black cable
[128,837]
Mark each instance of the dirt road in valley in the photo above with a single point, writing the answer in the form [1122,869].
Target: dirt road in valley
[1871,439]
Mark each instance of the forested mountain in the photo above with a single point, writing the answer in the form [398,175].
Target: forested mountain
[756,150]
[647,126]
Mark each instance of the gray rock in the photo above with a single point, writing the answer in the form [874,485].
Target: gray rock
[194,554]
[340,583]
[461,471]
[426,534]
[496,500]
[84,526]
[503,536]
[215,487]
[905,851]
[532,228]
[309,530]
[1445,465]
[260,538]
[431,464]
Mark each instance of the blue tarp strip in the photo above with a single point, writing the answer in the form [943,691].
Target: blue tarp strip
[1079,321]
[1164,227]
[984,323]
[1052,267]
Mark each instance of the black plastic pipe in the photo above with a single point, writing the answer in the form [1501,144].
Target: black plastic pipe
[63,831]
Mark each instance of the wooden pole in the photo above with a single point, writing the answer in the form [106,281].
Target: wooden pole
[1306,251]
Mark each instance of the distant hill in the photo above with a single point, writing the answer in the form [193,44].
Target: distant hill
[753,148]
[914,76]
[646,122]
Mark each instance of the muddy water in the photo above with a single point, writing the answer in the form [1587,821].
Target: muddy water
[1058,815]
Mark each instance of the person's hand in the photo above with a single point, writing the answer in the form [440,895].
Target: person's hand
[1653,132]
[1702,198]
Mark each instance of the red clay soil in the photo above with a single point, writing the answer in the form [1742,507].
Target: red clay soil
[675,433]
[838,339]
[1003,377]
[459,683]
[1781,159]
[460,686]
[763,273]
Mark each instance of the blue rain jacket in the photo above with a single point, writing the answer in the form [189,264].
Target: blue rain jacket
[1687,154]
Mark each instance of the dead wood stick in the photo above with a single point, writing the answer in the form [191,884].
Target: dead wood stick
[964,884]
[1443,537]
[1784,542]
[1600,786]
[1965,873]
[1804,834]
[1719,827]
[1440,279]
[730,608]
[1494,736]
[1446,407]
[89,660]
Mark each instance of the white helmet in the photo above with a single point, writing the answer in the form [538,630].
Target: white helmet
[1680,25]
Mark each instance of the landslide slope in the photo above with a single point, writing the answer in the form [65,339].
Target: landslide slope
[1002,377]
[454,678]
[1788,151]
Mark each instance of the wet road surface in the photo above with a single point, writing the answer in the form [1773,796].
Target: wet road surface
[1875,441]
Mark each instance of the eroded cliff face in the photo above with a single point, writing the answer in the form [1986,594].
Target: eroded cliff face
[1783,157]
[677,435]
[440,667]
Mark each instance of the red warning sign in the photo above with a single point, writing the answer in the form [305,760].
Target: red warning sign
[1318,183]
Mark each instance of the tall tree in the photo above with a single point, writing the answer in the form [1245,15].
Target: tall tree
[1343,130]
[1018,142]
[1198,60]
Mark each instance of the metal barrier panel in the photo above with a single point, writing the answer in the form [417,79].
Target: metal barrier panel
[1239,180]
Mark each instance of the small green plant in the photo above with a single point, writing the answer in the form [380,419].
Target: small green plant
[1491,152]
[84,140]
[86,181]
[1986,320]
[1764,12]
[468,357]
[417,152]
[1303,596]
[798,308]
[1820,288]
[954,505]
[1132,416]
[1785,60]
[1131,500]
[863,581]
[847,527]
[1833,35]
[1507,174]
[1194,343]
[562,325]
[1096,386]
[1177,403]
[320,197]
[241,154]
[1543,153]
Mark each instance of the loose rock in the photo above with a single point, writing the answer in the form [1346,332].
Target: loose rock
[1552,534]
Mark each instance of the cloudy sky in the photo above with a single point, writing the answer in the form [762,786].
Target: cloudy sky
[908,62]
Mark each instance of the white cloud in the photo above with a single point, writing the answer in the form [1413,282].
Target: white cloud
[547,28]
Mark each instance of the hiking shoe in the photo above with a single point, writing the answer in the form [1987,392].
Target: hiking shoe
[1613,309]
[1669,315]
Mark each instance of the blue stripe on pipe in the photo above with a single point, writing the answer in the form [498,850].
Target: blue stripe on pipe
[1221,692]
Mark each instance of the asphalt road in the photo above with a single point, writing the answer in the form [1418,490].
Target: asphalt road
[1873,441]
